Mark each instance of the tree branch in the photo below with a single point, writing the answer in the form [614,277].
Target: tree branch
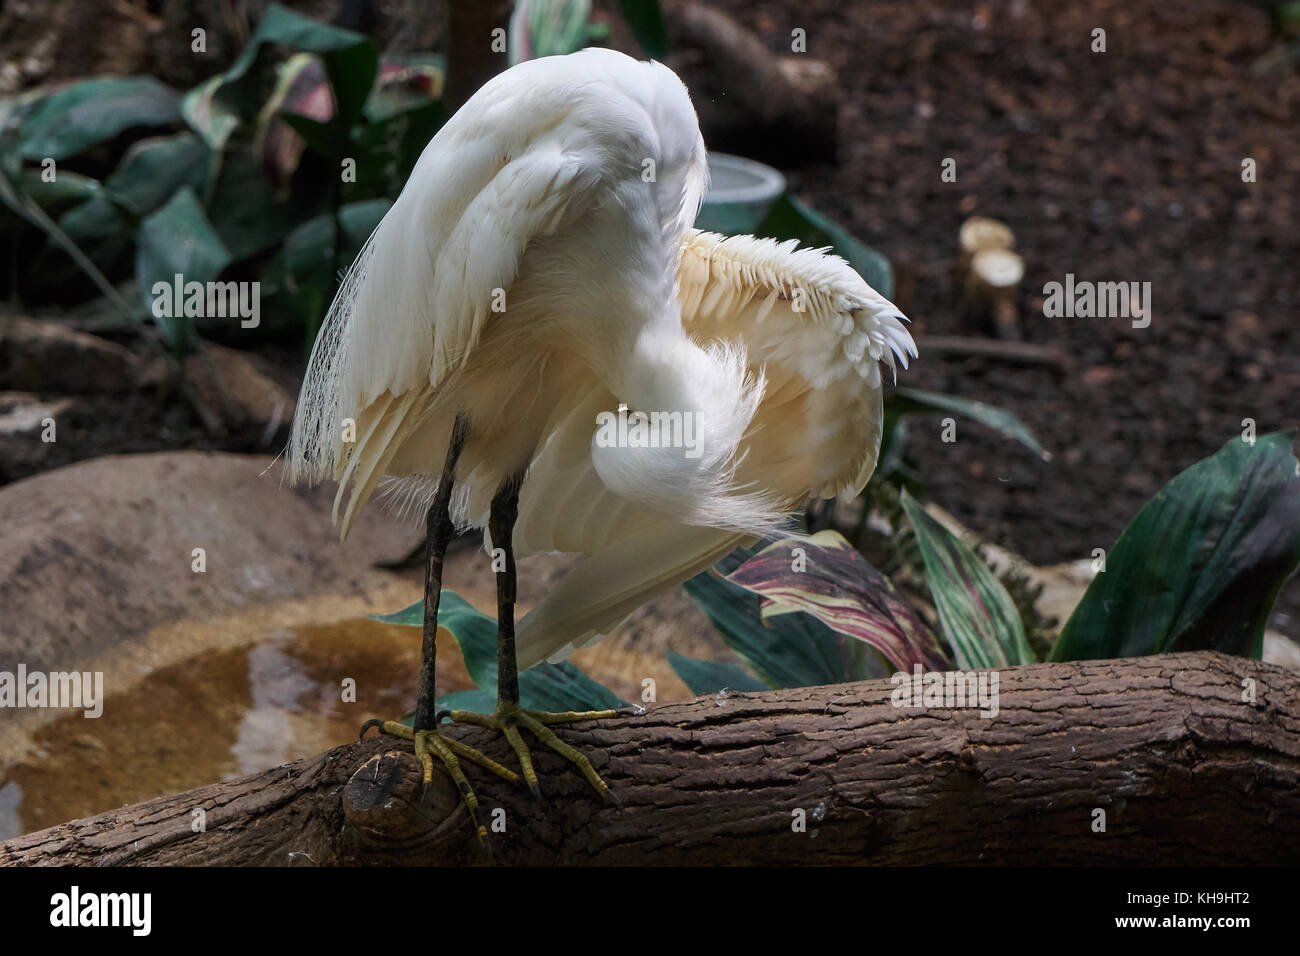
[1186,771]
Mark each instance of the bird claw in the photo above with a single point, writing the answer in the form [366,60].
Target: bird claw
[510,717]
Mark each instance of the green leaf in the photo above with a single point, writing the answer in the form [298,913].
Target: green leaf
[477,701]
[216,107]
[561,687]
[387,150]
[790,219]
[12,195]
[475,632]
[553,687]
[827,577]
[789,650]
[978,617]
[83,114]
[646,20]
[246,212]
[67,188]
[913,401]
[177,239]
[328,139]
[541,28]
[1200,565]
[212,118]
[709,677]
[406,83]
[150,173]
[300,279]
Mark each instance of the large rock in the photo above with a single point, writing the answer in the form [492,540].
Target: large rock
[102,551]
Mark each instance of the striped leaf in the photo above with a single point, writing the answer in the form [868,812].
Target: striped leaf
[978,617]
[825,576]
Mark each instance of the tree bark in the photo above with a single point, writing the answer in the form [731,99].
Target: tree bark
[1192,758]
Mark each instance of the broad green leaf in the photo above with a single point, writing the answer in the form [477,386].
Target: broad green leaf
[978,617]
[12,195]
[212,118]
[561,687]
[709,677]
[551,687]
[301,277]
[177,240]
[914,401]
[475,632]
[646,20]
[790,650]
[65,189]
[387,150]
[246,212]
[216,107]
[1200,565]
[827,577]
[83,114]
[790,219]
[328,139]
[312,241]
[477,701]
[149,174]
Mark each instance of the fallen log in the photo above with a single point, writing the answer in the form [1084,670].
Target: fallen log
[1176,759]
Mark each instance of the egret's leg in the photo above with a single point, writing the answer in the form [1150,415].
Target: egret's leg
[424,733]
[509,716]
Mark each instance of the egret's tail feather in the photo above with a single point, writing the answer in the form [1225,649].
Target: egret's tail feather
[610,584]
[317,449]
[387,421]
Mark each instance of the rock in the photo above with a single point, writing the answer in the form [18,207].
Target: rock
[102,551]
[254,398]
[44,356]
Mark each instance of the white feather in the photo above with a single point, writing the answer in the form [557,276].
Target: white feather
[531,276]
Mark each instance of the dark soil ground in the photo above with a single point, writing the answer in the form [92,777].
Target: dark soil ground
[1122,166]
[1118,166]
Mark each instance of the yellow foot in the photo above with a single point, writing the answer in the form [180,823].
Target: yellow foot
[430,743]
[509,717]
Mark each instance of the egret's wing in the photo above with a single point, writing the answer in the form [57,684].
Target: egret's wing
[415,302]
[820,332]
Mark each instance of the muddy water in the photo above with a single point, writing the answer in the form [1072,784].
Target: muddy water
[215,715]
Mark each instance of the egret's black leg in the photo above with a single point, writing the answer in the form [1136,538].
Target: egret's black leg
[509,716]
[501,527]
[424,731]
[438,533]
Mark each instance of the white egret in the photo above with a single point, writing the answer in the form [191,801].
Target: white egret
[537,272]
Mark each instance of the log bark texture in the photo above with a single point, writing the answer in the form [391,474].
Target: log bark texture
[1187,768]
